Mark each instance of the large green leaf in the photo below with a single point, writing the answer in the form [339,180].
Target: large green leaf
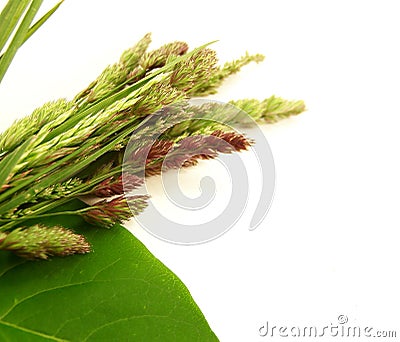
[119,292]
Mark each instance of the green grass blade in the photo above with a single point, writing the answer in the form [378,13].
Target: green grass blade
[41,21]
[9,162]
[19,37]
[9,17]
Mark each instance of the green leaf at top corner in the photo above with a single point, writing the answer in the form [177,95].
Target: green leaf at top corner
[119,292]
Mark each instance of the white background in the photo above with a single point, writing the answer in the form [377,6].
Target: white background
[330,243]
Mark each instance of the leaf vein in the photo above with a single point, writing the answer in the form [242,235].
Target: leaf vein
[123,319]
[33,332]
[11,268]
[106,267]
[48,290]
